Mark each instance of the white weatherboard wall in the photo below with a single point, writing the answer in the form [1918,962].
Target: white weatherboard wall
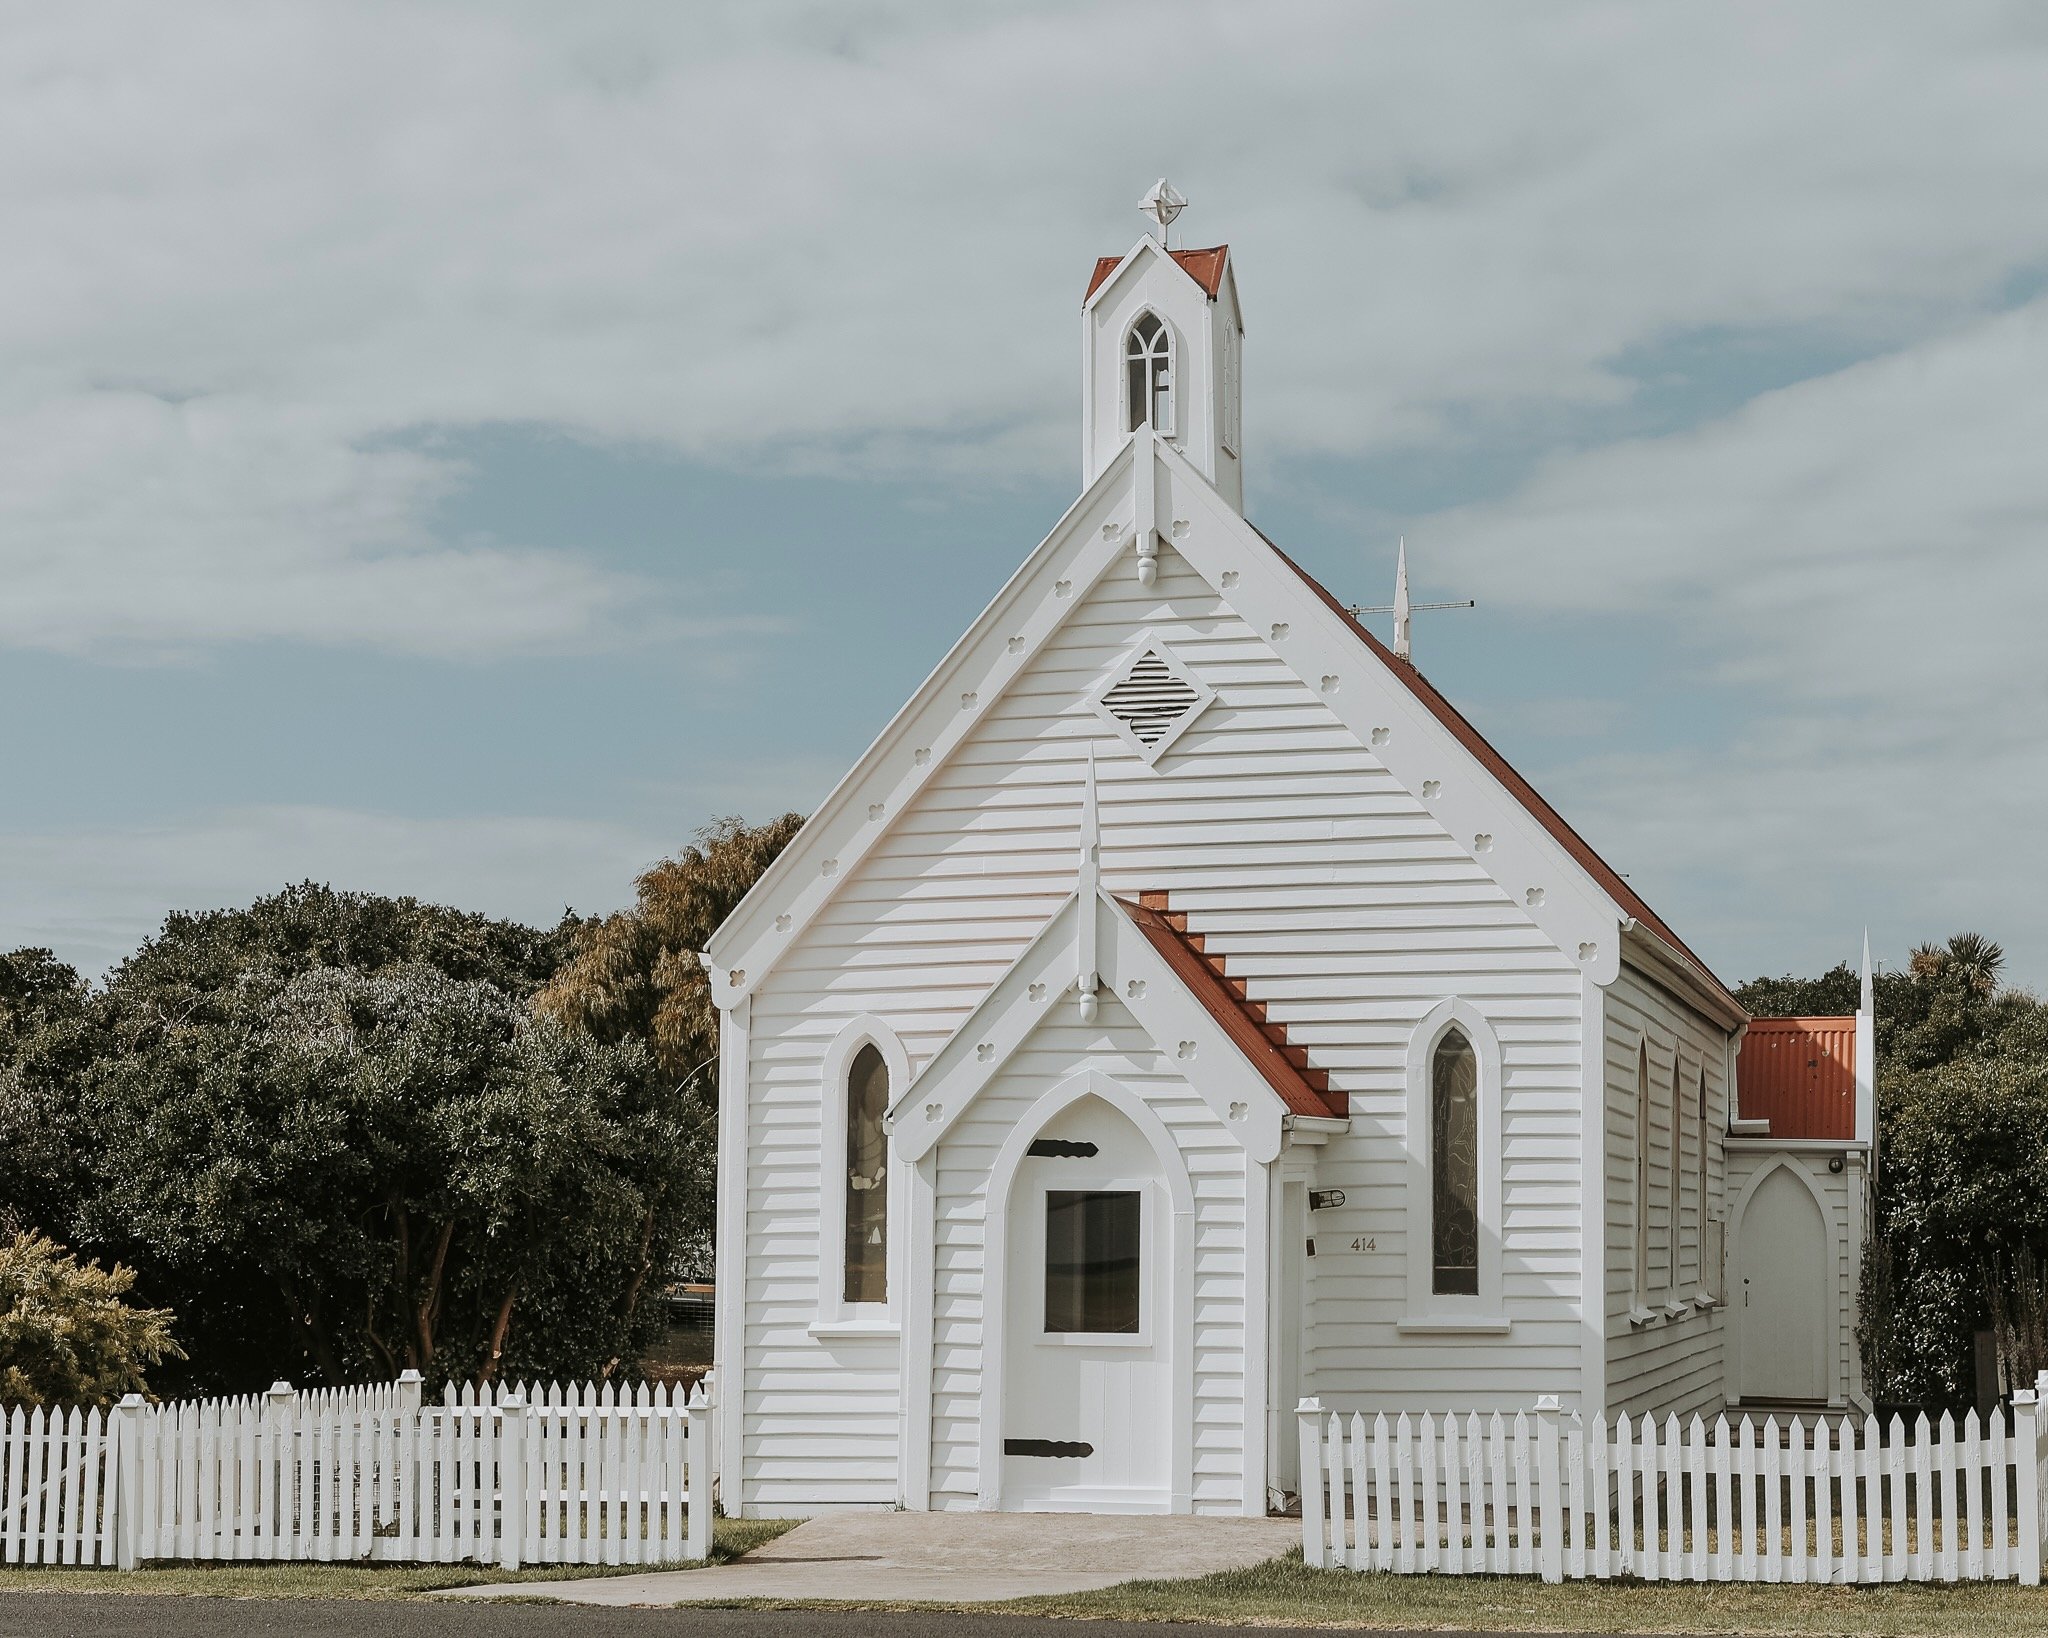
[1330,888]
[1120,1049]
[1669,1364]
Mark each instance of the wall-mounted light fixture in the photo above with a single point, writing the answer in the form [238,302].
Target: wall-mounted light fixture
[1835,1164]
[1325,1199]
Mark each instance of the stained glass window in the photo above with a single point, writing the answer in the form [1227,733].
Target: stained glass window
[1454,1164]
[867,1179]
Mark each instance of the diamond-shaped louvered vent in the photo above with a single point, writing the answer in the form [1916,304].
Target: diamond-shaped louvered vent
[1149,699]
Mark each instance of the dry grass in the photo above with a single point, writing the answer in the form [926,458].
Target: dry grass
[1285,1593]
[730,1538]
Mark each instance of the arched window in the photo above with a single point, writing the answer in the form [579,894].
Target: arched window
[867,1178]
[1454,1167]
[1674,1208]
[1641,1203]
[1700,1220]
[1148,374]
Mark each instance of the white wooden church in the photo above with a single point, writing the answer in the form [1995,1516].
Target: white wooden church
[1181,1009]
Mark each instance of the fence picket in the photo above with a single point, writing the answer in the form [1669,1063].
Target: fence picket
[1997,1454]
[1357,1463]
[1945,1457]
[1575,1498]
[1798,1469]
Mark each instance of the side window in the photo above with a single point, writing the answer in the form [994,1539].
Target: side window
[1092,1261]
[1674,1211]
[1454,1167]
[867,1179]
[1641,1201]
[1706,1268]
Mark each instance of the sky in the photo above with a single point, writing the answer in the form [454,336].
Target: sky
[462,450]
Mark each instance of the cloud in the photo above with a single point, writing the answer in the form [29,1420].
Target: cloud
[95,893]
[256,255]
[1857,561]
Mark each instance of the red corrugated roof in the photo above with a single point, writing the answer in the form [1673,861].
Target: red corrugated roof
[1205,267]
[1305,1090]
[1523,792]
[1800,1075]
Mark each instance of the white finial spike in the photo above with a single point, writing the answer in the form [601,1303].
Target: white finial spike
[1091,876]
[1162,204]
[1403,646]
[1868,984]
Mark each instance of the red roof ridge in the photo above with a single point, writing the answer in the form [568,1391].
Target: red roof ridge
[1205,267]
[1609,879]
[1302,1087]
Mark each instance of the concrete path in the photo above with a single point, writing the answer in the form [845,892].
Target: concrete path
[950,1558]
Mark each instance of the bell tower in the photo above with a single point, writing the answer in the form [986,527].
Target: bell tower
[1161,346]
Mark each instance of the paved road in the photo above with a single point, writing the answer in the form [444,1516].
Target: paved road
[89,1615]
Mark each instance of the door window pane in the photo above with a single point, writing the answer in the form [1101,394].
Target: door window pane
[1091,1260]
[867,1179]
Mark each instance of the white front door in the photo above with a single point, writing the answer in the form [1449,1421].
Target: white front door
[1087,1387]
[1788,1300]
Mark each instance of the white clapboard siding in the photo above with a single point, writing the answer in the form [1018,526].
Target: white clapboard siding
[506,1475]
[1669,1363]
[1311,872]
[1830,1501]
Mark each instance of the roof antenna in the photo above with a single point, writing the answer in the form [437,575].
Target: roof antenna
[1162,204]
[1403,610]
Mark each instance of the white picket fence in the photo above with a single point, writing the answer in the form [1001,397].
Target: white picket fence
[1831,1500]
[507,1476]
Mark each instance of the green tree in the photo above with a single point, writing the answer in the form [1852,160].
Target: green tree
[635,975]
[1837,992]
[50,1036]
[67,1334]
[396,1169]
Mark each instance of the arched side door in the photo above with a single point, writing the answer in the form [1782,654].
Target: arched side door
[1785,1289]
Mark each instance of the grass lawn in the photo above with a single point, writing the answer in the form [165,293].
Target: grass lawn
[729,1539]
[1283,1592]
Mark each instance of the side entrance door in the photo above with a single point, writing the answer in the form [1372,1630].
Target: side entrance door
[1787,1297]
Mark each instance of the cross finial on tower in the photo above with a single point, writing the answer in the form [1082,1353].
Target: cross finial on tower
[1162,204]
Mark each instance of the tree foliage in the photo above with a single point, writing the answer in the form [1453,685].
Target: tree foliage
[635,975]
[67,1334]
[330,1132]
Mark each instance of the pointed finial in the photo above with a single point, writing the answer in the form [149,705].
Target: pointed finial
[1403,646]
[1868,983]
[1162,204]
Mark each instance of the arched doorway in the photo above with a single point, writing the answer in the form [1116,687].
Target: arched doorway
[1089,1319]
[1786,1297]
